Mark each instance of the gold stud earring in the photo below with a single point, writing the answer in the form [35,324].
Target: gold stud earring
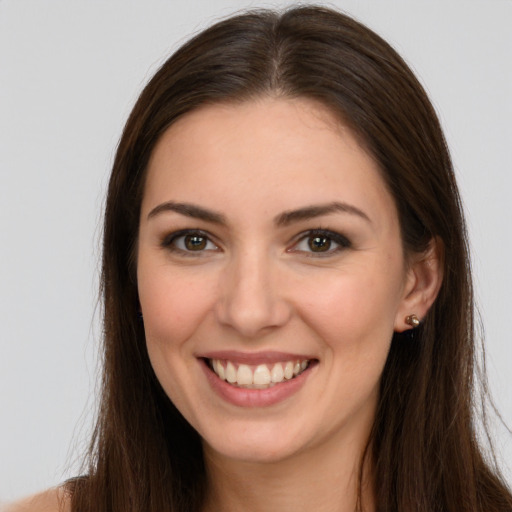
[413,321]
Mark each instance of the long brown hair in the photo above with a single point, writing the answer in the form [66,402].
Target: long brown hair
[144,456]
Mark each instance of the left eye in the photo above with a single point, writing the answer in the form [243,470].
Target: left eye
[321,242]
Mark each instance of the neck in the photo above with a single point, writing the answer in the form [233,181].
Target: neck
[321,479]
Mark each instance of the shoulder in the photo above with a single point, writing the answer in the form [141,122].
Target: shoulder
[52,500]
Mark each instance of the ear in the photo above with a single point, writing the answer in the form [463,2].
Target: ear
[422,284]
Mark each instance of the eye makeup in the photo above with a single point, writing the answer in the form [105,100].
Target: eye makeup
[320,242]
[312,243]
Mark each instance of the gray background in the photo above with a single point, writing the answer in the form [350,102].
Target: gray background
[69,74]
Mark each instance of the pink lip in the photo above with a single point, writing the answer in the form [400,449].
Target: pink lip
[256,357]
[243,397]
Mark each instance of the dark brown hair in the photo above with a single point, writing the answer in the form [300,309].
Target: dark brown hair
[144,456]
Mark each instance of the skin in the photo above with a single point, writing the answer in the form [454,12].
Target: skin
[51,500]
[257,287]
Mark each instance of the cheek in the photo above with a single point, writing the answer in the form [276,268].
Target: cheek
[353,310]
[352,317]
[173,305]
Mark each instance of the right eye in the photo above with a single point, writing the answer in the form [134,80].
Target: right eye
[189,242]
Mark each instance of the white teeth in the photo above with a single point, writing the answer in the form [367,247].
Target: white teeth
[288,370]
[261,375]
[257,377]
[231,373]
[277,373]
[220,370]
[244,375]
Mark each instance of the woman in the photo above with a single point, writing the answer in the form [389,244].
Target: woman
[287,293]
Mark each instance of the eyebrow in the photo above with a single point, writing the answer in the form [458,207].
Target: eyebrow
[310,212]
[189,210]
[284,219]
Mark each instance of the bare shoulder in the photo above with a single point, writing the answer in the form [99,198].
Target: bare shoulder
[52,500]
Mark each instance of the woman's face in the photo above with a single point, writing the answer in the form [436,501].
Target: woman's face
[271,277]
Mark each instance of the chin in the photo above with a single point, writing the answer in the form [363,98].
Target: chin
[252,453]
[256,444]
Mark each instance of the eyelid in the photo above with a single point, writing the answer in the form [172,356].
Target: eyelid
[340,240]
[169,240]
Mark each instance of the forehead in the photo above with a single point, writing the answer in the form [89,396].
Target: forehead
[263,153]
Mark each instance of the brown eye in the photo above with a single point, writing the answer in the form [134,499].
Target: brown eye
[319,243]
[195,242]
[188,242]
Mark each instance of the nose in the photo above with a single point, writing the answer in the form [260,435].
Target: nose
[251,298]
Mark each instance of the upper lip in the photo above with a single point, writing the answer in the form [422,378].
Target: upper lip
[254,358]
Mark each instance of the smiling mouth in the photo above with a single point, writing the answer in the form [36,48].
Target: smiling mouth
[261,376]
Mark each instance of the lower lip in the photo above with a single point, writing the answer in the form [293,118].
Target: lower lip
[243,397]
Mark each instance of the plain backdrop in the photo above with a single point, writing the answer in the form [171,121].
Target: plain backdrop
[70,72]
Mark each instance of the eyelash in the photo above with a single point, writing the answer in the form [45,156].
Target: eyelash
[170,242]
[341,241]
